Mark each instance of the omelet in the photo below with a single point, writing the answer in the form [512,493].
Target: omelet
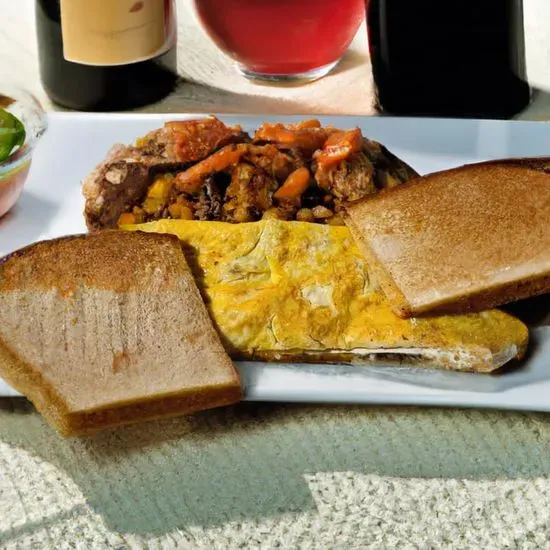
[302,292]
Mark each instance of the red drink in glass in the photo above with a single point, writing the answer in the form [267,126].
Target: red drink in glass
[288,39]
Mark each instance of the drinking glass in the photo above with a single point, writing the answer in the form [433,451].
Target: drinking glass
[282,39]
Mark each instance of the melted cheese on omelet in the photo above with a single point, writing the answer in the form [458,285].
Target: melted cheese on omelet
[282,286]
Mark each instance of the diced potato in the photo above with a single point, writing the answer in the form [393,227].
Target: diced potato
[127,219]
[153,206]
[161,187]
[322,212]
[180,212]
[304,215]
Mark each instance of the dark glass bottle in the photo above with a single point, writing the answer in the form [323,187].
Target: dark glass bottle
[448,58]
[109,67]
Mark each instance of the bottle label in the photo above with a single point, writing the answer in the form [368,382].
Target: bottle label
[116,32]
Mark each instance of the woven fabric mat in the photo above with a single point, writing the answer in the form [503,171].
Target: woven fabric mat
[280,476]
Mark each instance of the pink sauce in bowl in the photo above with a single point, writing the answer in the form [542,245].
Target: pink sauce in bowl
[15,169]
[11,186]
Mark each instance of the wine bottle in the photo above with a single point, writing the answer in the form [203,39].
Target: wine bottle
[106,55]
[465,59]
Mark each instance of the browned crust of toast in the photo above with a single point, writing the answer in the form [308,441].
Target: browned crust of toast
[82,254]
[479,301]
[27,381]
[474,301]
[24,379]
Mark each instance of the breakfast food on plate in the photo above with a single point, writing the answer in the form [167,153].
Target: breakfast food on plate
[205,170]
[108,329]
[460,240]
[291,291]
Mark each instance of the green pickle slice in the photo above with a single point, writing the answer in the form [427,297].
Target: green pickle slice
[12,134]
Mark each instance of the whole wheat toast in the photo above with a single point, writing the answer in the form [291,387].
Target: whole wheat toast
[108,329]
[460,240]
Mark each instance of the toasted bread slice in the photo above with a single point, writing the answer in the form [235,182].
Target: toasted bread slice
[108,329]
[460,240]
[302,292]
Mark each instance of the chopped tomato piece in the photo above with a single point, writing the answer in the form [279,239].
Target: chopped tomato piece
[339,146]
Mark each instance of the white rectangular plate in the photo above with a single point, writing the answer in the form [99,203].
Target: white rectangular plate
[52,204]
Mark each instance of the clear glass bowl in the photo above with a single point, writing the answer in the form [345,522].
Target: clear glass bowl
[14,170]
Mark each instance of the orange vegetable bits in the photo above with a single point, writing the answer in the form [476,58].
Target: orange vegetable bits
[294,186]
[308,138]
[311,123]
[339,146]
[127,219]
[191,179]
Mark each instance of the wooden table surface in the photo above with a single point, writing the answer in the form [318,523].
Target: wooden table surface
[211,84]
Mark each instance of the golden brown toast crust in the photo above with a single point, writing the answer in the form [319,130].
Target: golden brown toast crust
[105,260]
[462,240]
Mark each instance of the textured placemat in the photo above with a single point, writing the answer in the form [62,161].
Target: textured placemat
[280,476]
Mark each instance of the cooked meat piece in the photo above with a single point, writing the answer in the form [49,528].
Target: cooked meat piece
[306,139]
[114,186]
[248,195]
[349,180]
[278,164]
[209,203]
[305,215]
[186,141]
[390,170]
[321,212]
